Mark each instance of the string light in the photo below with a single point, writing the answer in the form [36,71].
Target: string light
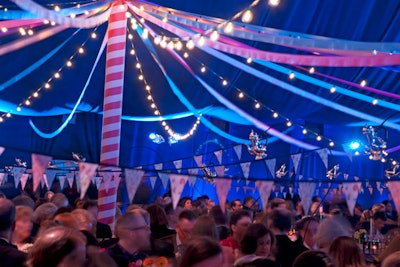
[312,70]
[228,27]
[241,95]
[214,35]
[363,83]
[291,75]
[247,16]
[333,89]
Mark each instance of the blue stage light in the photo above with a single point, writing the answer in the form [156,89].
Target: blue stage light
[355,145]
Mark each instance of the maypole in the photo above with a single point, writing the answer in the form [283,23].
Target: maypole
[112,108]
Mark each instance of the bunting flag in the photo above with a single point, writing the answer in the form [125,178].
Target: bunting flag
[296,159]
[265,189]
[246,169]
[108,199]
[220,170]
[349,152]
[345,176]
[178,165]
[70,178]
[17,173]
[133,179]
[1,150]
[24,179]
[39,166]
[271,165]
[97,181]
[192,176]
[78,181]
[42,181]
[153,180]
[306,191]
[86,172]
[238,151]
[158,166]
[222,187]
[199,160]
[177,184]
[62,179]
[49,176]
[3,177]
[394,188]
[218,154]
[164,179]
[351,190]
[323,154]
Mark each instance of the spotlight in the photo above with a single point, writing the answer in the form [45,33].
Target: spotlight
[355,145]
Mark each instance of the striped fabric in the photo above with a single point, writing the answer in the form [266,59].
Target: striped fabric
[113,92]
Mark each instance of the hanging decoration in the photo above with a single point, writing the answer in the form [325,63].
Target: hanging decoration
[333,173]
[393,172]
[281,172]
[257,148]
[208,174]
[376,147]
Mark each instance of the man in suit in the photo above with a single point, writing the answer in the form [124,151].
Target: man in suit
[291,195]
[9,254]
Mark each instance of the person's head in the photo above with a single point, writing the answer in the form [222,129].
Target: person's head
[345,252]
[276,203]
[48,195]
[186,221]
[218,215]
[23,200]
[379,219]
[205,226]
[331,228]
[66,219]
[60,200]
[7,217]
[313,258]
[44,212]
[23,223]
[239,221]
[281,220]
[250,203]
[91,206]
[85,220]
[158,216]
[392,260]
[257,239]
[308,228]
[186,203]
[133,231]
[58,246]
[202,251]
[236,205]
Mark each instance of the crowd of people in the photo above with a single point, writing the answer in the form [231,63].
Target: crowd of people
[51,231]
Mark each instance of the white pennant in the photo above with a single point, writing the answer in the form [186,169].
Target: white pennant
[62,179]
[323,154]
[78,181]
[158,166]
[1,150]
[265,189]
[296,160]
[220,170]
[271,164]
[238,151]
[164,179]
[192,176]
[17,173]
[246,169]
[133,179]
[198,159]
[70,178]
[50,176]
[218,154]
[305,192]
[3,178]
[86,173]
[222,187]
[177,184]
[178,165]
[351,190]
[24,179]
[153,180]
[39,166]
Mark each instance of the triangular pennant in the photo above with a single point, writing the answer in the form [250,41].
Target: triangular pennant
[50,176]
[39,166]
[24,179]
[86,173]
[192,176]
[220,170]
[346,176]
[1,150]
[351,190]
[70,178]
[17,173]
[158,166]
[153,180]
[218,154]
[78,181]
[323,154]
[177,184]
[265,189]
[296,159]
[394,188]
[348,151]
[238,151]
[43,181]
[222,187]
[164,179]
[300,176]
[132,180]
[178,165]
[62,179]
[98,180]
[247,182]
[245,168]
[107,177]
[3,178]
[271,164]
[305,192]
[199,160]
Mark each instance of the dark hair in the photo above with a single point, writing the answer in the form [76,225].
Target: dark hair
[200,249]
[219,217]
[314,258]
[304,222]
[248,243]
[346,252]
[276,202]
[281,218]
[23,200]
[237,215]
[379,215]
[89,203]
[7,214]
[183,200]
[187,214]
[157,215]
[205,226]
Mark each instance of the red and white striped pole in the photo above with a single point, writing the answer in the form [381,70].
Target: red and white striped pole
[112,108]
